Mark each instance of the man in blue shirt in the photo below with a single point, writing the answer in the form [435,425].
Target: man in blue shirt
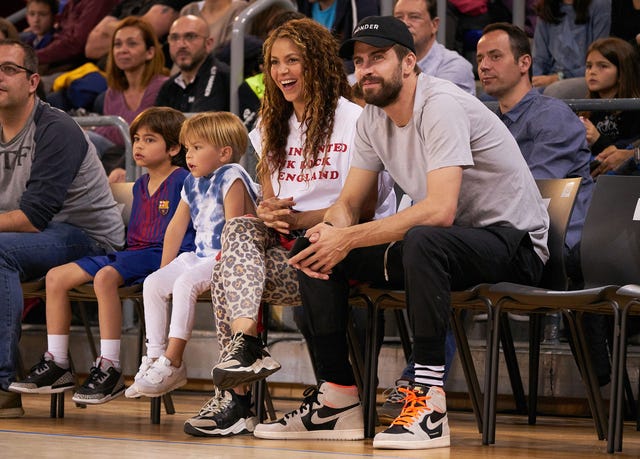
[421,17]
[549,134]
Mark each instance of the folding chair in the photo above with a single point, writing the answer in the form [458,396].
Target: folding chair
[610,254]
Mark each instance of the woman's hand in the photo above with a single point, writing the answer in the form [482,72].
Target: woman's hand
[278,214]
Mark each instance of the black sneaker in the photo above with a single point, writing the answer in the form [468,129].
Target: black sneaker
[244,360]
[45,378]
[104,383]
[393,403]
[226,413]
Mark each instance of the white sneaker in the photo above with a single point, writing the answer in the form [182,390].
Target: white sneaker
[423,423]
[161,378]
[327,413]
[132,391]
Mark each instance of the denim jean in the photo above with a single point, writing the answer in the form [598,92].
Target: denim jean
[25,256]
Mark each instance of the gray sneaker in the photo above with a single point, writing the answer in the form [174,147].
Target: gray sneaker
[10,405]
[393,404]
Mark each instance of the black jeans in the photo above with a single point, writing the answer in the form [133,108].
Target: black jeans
[429,263]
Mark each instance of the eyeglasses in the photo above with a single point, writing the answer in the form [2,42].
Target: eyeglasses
[189,37]
[11,69]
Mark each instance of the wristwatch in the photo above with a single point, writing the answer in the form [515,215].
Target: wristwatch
[560,76]
[636,154]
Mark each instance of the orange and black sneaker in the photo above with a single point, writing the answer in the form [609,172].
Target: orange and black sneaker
[422,424]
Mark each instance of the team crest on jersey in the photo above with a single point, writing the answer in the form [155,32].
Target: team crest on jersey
[163,207]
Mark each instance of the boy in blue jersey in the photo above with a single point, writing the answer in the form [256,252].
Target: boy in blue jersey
[156,146]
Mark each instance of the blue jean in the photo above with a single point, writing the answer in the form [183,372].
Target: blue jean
[25,256]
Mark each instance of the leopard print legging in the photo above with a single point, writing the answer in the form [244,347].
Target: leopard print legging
[253,268]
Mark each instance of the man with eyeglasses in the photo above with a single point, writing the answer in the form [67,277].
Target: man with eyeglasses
[421,17]
[203,81]
[55,203]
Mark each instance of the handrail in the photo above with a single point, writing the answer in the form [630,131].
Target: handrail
[133,171]
[578,105]
[240,24]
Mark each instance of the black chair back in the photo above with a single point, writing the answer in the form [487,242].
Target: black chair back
[610,248]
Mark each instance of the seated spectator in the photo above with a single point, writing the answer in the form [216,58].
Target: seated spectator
[564,31]
[155,136]
[338,16]
[55,205]
[625,21]
[40,17]
[66,50]
[135,73]
[421,17]
[219,15]
[202,84]
[159,13]
[612,72]
[8,30]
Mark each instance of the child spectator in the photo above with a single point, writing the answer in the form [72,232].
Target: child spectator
[40,17]
[217,190]
[612,72]
[156,146]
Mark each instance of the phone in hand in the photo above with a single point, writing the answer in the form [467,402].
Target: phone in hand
[298,246]
[593,165]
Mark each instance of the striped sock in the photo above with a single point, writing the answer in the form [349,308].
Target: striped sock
[429,375]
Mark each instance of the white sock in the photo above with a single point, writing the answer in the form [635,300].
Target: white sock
[429,375]
[110,349]
[58,347]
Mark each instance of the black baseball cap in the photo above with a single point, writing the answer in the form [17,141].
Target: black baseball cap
[378,31]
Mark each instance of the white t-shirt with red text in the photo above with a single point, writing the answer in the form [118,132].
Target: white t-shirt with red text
[318,186]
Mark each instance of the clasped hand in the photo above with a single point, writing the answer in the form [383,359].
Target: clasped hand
[328,248]
[277,213]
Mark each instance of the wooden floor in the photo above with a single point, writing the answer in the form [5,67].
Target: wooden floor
[121,428]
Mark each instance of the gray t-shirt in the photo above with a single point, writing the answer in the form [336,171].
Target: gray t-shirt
[51,172]
[450,127]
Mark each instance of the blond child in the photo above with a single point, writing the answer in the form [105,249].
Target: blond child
[216,190]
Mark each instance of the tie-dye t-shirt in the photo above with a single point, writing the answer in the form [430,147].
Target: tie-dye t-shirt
[205,197]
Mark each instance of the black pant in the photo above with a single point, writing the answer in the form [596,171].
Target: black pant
[429,263]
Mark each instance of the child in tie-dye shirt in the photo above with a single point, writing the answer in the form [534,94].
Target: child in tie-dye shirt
[216,190]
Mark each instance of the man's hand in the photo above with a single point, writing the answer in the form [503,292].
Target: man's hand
[277,213]
[329,246]
[610,159]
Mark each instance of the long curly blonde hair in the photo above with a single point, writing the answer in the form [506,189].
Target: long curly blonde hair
[324,82]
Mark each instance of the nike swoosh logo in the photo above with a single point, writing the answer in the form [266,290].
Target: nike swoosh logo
[315,421]
[438,423]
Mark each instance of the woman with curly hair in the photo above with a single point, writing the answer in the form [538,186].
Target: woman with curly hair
[304,140]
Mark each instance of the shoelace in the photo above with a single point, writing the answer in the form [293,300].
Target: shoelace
[393,394]
[310,397]
[413,406]
[144,367]
[216,404]
[234,345]
[41,367]
[96,376]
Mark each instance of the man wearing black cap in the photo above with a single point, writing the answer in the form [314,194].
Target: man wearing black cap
[477,217]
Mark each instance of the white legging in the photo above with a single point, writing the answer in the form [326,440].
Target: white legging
[184,279]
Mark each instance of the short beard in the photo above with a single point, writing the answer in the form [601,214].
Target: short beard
[388,94]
